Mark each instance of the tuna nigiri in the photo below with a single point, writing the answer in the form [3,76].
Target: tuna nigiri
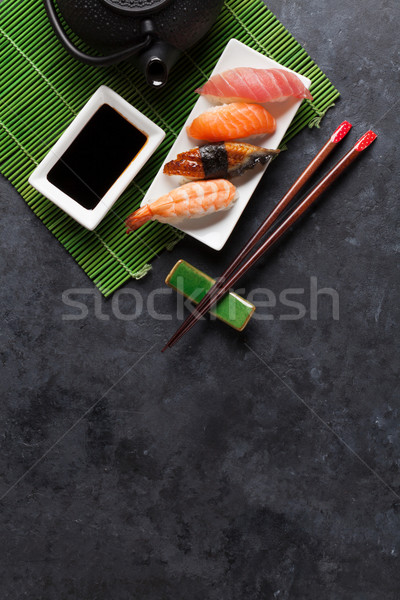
[225,159]
[246,84]
[232,121]
[192,200]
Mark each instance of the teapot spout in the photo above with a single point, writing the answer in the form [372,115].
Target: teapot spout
[156,62]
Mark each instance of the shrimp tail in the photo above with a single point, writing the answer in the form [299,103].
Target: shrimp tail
[138,218]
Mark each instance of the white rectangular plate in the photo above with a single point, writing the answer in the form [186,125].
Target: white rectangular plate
[214,230]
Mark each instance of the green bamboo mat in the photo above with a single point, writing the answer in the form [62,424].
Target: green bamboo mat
[42,89]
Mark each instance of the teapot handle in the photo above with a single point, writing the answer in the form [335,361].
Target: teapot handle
[147,30]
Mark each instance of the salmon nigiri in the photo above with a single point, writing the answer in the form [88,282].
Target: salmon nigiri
[254,85]
[194,199]
[232,121]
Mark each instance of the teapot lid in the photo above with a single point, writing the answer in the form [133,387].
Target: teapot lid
[137,7]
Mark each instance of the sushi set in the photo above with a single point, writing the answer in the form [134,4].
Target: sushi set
[248,98]
[61,86]
[234,103]
[230,137]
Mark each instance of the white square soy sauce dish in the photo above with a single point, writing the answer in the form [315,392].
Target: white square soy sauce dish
[105,112]
[214,230]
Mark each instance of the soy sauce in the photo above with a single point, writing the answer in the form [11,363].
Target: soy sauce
[96,158]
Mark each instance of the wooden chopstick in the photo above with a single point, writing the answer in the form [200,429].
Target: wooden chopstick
[304,205]
[311,168]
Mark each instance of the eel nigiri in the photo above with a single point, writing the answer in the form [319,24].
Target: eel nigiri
[231,122]
[192,200]
[225,159]
[246,84]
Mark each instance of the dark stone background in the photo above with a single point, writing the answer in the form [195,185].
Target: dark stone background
[253,466]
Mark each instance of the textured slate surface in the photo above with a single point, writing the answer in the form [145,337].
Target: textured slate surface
[246,466]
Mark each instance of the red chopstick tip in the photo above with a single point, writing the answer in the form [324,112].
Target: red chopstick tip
[341,132]
[165,348]
[365,141]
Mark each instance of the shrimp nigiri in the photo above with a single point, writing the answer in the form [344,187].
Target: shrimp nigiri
[225,159]
[192,200]
[246,84]
[232,121]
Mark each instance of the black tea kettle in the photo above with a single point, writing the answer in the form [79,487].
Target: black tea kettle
[151,32]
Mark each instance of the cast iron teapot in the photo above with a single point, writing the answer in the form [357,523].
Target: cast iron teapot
[152,32]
